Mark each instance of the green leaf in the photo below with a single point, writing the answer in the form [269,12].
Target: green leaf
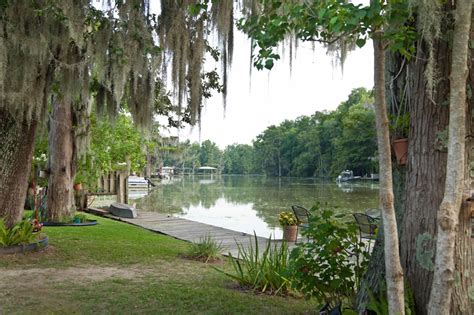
[269,64]
[360,42]
[360,14]
[321,13]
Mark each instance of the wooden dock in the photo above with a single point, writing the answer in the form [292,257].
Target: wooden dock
[193,231]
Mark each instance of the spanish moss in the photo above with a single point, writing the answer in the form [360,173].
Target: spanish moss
[429,19]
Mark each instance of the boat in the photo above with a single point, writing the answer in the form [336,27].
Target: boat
[137,183]
[123,210]
[346,176]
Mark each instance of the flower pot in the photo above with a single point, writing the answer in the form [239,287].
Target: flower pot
[77,186]
[290,233]
[400,146]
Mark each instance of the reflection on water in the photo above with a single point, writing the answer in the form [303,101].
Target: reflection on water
[238,217]
[252,203]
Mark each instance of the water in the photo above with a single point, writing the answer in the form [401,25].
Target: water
[252,203]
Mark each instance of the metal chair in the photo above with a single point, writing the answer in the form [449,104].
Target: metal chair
[302,215]
[373,212]
[367,225]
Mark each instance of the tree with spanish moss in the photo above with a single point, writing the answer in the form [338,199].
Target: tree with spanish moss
[54,48]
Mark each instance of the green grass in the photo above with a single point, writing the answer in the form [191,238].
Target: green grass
[148,277]
[109,242]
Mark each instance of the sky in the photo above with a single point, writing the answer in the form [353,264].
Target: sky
[270,97]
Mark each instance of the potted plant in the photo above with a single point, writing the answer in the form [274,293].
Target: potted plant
[77,186]
[400,129]
[290,226]
[78,180]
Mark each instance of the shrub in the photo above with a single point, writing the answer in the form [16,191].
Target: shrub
[206,249]
[80,218]
[77,218]
[265,272]
[19,234]
[330,266]
[379,304]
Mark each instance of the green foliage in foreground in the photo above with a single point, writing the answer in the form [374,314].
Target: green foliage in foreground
[379,304]
[206,249]
[150,277]
[264,272]
[330,266]
[19,234]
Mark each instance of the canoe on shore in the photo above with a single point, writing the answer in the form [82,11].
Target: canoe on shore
[123,210]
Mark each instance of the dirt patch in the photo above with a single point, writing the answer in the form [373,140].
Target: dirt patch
[211,261]
[25,277]
[30,257]
[48,277]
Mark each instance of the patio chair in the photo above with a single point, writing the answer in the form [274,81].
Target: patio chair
[373,212]
[367,225]
[302,215]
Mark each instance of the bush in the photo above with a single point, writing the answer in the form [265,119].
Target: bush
[266,272]
[77,218]
[80,218]
[330,266]
[379,304]
[206,249]
[19,234]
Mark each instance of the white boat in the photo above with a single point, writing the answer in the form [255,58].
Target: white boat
[346,176]
[137,183]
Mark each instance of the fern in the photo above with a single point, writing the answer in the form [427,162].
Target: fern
[19,234]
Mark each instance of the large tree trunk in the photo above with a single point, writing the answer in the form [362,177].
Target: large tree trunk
[16,151]
[449,210]
[425,183]
[426,172]
[393,269]
[425,175]
[61,162]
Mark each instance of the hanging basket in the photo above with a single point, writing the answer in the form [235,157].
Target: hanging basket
[400,146]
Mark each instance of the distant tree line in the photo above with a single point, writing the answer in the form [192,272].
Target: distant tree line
[320,145]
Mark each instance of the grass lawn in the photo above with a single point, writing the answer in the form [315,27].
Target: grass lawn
[121,269]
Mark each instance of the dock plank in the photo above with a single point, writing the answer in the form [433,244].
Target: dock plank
[192,231]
